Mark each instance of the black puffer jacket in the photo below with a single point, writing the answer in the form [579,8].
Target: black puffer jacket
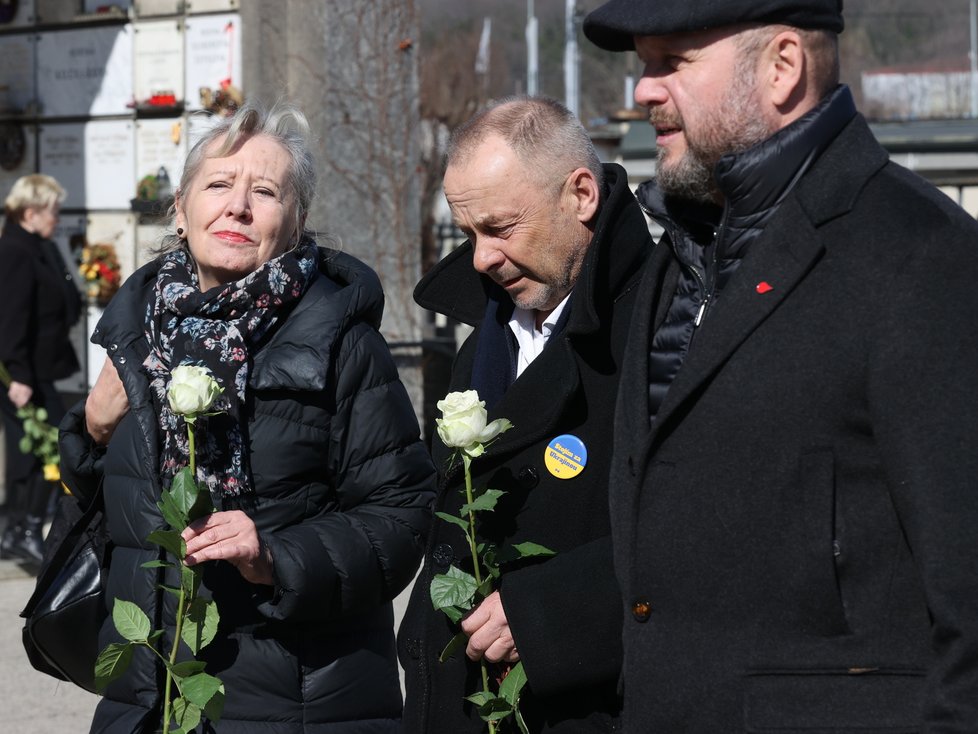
[342,496]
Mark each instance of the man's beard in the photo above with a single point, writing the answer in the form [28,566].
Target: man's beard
[734,127]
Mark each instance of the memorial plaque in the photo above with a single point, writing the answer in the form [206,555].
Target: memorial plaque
[86,71]
[158,50]
[94,161]
[16,14]
[16,73]
[62,155]
[161,147]
[17,146]
[213,59]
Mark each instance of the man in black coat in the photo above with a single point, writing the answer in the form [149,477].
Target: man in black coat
[548,279]
[793,499]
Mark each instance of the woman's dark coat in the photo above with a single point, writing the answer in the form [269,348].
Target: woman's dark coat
[40,306]
[342,497]
[564,612]
[796,538]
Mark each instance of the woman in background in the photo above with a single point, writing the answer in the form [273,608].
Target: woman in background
[41,303]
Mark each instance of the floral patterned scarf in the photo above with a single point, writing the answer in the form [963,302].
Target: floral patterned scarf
[215,329]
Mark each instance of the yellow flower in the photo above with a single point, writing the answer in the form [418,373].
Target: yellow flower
[52,473]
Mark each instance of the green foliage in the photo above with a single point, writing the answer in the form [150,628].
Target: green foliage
[456,592]
[196,622]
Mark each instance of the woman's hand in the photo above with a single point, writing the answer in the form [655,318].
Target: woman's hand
[19,394]
[106,404]
[230,536]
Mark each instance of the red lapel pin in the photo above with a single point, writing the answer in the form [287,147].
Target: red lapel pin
[763,287]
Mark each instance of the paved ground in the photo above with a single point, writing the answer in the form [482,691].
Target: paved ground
[32,703]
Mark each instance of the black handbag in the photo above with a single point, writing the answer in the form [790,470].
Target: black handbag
[66,611]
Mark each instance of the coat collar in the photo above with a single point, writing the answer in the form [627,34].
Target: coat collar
[782,256]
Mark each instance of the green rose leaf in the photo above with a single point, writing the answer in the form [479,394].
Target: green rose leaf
[485,501]
[522,550]
[112,663]
[200,688]
[492,708]
[170,540]
[175,517]
[455,613]
[183,494]
[518,715]
[186,715]
[453,646]
[187,668]
[454,520]
[190,579]
[215,707]
[200,626]
[512,684]
[454,588]
[130,620]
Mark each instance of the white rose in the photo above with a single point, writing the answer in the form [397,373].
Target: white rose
[463,422]
[192,390]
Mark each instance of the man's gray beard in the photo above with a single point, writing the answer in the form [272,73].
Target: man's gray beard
[735,130]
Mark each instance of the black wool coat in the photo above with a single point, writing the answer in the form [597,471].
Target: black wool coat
[342,493]
[41,304]
[796,539]
[564,612]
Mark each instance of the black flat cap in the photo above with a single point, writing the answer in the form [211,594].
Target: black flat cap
[613,25]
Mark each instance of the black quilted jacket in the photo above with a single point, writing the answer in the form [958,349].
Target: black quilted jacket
[342,496]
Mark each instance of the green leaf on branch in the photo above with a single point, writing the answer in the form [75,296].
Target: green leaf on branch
[518,715]
[454,520]
[131,621]
[186,715]
[187,668]
[200,626]
[112,663]
[512,684]
[175,517]
[485,501]
[190,579]
[522,550]
[451,589]
[200,689]
[485,588]
[171,540]
[456,613]
[182,493]
[453,646]
[490,708]
[215,707]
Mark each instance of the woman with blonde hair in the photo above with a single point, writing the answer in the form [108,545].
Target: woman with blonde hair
[41,303]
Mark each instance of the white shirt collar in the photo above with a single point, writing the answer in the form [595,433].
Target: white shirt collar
[531,341]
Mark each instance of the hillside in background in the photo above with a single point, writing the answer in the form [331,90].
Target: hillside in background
[932,34]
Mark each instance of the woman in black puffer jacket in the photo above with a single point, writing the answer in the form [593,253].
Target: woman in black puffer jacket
[322,486]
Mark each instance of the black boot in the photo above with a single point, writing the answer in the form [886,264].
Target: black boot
[8,543]
[29,545]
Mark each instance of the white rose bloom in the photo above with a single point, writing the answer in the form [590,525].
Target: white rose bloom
[192,390]
[463,422]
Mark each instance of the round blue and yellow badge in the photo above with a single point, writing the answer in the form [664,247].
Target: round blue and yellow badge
[565,456]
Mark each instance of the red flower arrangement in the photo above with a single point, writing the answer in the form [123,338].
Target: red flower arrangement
[100,270]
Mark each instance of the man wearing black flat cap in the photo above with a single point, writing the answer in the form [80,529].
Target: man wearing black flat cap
[794,492]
